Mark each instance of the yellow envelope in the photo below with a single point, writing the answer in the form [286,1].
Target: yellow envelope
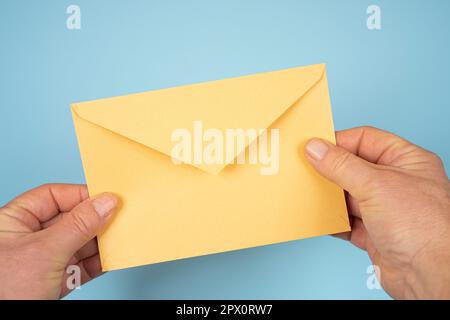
[171,211]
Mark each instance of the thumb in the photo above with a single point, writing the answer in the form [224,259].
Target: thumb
[80,225]
[341,167]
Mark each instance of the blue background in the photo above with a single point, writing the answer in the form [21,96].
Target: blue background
[396,79]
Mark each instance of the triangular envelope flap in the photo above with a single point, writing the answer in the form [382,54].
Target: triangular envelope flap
[248,102]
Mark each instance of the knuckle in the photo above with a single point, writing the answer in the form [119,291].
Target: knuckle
[368,128]
[45,185]
[340,162]
[434,158]
[81,224]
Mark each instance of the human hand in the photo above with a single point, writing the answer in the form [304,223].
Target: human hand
[45,230]
[399,205]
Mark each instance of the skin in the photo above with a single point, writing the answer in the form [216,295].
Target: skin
[398,198]
[399,204]
[42,232]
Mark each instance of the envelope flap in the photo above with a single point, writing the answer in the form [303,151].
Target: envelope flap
[248,102]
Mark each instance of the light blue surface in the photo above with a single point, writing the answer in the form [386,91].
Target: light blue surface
[397,78]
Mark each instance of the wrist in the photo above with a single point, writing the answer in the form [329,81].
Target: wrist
[430,276]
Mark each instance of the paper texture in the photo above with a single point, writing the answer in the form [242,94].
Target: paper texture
[171,211]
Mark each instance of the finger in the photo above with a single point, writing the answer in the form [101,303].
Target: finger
[75,229]
[385,148]
[352,206]
[372,144]
[358,235]
[90,267]
[345,235]
[53,220]
[46,201]
[88,250]
[93,266]
[350,172]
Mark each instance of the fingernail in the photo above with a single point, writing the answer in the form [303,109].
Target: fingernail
[317,149]
[104,204]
